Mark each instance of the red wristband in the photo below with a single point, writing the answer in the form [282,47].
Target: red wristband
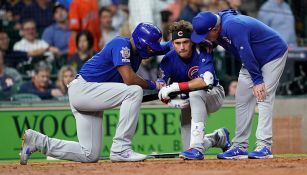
[184,86]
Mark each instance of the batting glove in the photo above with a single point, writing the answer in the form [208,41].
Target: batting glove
[165,91]
[208,78]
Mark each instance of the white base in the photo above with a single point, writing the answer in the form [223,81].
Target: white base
[263,157]
[238,157]
[51,158]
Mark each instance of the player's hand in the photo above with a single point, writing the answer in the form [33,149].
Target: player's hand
[56,93]
[160,83]
[165,91]
[259,91]
[179,103]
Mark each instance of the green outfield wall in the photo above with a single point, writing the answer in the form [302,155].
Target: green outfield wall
[158,129]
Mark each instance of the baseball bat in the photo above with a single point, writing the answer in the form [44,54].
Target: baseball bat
[172,95]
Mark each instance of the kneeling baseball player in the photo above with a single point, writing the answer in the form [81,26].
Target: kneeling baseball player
[183,64]
[105,81]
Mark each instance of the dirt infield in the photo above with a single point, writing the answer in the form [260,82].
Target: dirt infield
[276,166]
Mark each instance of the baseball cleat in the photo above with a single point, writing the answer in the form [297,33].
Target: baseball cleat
[234,153]
[261,152]
[127,156]
[27,147]
[191,154]
[226,144]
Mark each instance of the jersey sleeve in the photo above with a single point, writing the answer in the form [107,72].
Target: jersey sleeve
[240,39]
[165,69]
[206,63]
[121,54]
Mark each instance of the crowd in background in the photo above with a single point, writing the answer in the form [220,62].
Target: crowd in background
[44,43]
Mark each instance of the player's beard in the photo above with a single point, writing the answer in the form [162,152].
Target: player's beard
[185,54]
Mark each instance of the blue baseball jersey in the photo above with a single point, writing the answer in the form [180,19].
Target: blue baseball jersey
[102,67]
[176,69]
[251,41]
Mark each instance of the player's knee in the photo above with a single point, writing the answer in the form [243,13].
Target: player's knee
[136,91]
[92,157]
[196,94]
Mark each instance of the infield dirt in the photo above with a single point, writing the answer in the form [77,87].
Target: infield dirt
[276,166]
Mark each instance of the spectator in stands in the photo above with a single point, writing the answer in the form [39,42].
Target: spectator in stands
[85,51]
[175,8]
[57,35]
[65,3]
[8,70]
[146,11]
[83,16]
[190,10]
[10,79]
[4,41]
[39,84]
[16,6]
[278,15]
[216,5]
[118,15]
[65,76]
[167,20]
[236,4]
[9,19]
[13,58]
[40,11]
[29,42]
[108,32]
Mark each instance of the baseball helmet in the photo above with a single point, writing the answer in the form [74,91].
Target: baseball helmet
[144,35]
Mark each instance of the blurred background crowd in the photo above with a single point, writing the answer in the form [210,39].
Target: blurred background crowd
[44,43]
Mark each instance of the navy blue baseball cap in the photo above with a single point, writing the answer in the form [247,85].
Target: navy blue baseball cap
[202,23]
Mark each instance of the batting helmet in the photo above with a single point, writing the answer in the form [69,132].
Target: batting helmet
[144,35]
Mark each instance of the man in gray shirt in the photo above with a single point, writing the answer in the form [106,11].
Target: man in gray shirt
[278,15]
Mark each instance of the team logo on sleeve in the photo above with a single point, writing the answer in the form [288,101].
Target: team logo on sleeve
[161,73]
[125,54]
[192,72]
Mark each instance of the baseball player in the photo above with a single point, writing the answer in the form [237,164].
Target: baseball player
[105,81]
[263,54]
[183,64]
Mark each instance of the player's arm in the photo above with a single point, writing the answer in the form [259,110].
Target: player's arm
[204,82]
[195,84]
[241,41]
[205,72]
[121,59]
[240,38]
[205,79]
[131,78]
